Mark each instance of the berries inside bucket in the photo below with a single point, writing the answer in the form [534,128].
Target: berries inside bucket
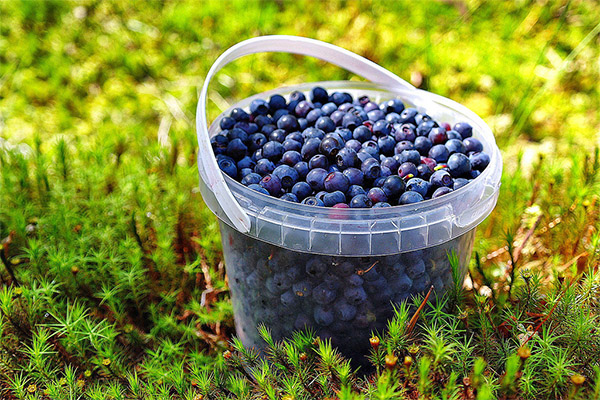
[336,151]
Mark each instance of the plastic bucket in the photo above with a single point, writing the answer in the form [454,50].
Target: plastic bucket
[339,271]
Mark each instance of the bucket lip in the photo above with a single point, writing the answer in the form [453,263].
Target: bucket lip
[493,170]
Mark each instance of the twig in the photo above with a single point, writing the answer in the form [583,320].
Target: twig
[415,317]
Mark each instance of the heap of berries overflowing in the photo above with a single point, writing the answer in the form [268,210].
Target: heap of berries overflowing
[335,151]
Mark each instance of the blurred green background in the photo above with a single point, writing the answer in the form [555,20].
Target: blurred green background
[98,181]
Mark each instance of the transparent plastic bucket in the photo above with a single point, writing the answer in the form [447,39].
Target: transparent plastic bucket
[340,271]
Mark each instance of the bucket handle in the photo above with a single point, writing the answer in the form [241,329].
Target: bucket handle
[207,163]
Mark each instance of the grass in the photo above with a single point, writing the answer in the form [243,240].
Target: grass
[108,252]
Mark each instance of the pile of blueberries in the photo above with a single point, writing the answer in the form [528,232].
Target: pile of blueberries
[336,151]
[343,299]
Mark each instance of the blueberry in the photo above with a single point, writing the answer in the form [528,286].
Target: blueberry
[323,315]
[404,132]
[273,150]
[381,205]
[479,161]
[295,136]
[278,283]
[464,128]
[291,157]
[455,146]
[239,115]
[320,194]
[302,169]
[393,186]
[440,192]
[360,201]
[376,115]
[333,168]
[419,118]
[354,279]
[302,289]
[301,190]
[227,165]
[287,175]
[437,135]
[330,146]
[371,147]
[325,124]
[408,115]
[323,294]
[264,167]
[418,185]
[460,182]
[313,201]
[386,145]
[362,133]
[289,197]
[251,178]
[335,181]
[423,145]
[289,299]
[318,94]
[303,108]
[248,127]
[346,158]
[430,162]
[237,133]
[258,188]
[328,108]
[344,133]
[363,155]
[411,156]
[236,149]
[370,168]
[473,145]
[256,141]
[280,113]
[377,195]
[439,153]
[316,179]
[313,132]
[278,135]
[403,145]
[410,197]
[459,164]
[424,172]
[425,127]
[394,105]
[402,283]
[355,295]
[340,98]
[337,117]
[351,121]
[391,163]
[318,161]
[333,198]
[422,283]
[344,311]
[267,129]
[313,115]
[355,190]
[226,123]
[288,123]
[310,148]
[271,183]
[407,169]
[441,178]
[382,128]
[474,174]
[244,171]
[392,118]
[453,135]
[219,144]
[277,102]
[369,105]
[262,120]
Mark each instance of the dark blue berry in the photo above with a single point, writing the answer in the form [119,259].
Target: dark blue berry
[354,175]
[425,127]
[259,107]
[410,197]
[439,153]
[288,123]
[337,117]
[464,128]
[381,205]
[455,146]
[360,201]
[280,113]
[382,128]
[258,188]
[289,197]
[344,311]
[392,106]
[423,145]
[386,145]
[333,198]
[323,315]
[276,102]
[333,168]
[473,145]
[363,155]
[371,147]
[319,94]
[219,144]
[453,135]
[441,178]
[370,168]
[262,120]
[236,149]
[278,135]
[316,179]
[392,118]
[355,190]
[460,182]
[418,185]
[318,161]
[323,294]
[302,190]
[404,132]
[256,141]
[227,165]
[377,195]
[438,135]
[411,156]
[302,169]
[479,161]
[330,146]
[407,169]
[344,133]
[440,192]
[313,115]
[244,171]
[246,162]
[328,108]
[408,116]
[355,295]
[239,115]
[335,181]
[393,186]
[424,171]
[237,133]
[376,115]
[362,133]
[325,124]
[290,144]
[351,121]
[226,123]
[264,166]
[273,150]
[272,184]
[391,163]
[251,178]
[346,158]
[310,148]
[313,201]
[459,164]
[303,108]
[287,175]
[291,157]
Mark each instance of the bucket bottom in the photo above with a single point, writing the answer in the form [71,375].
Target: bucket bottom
[344,299]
